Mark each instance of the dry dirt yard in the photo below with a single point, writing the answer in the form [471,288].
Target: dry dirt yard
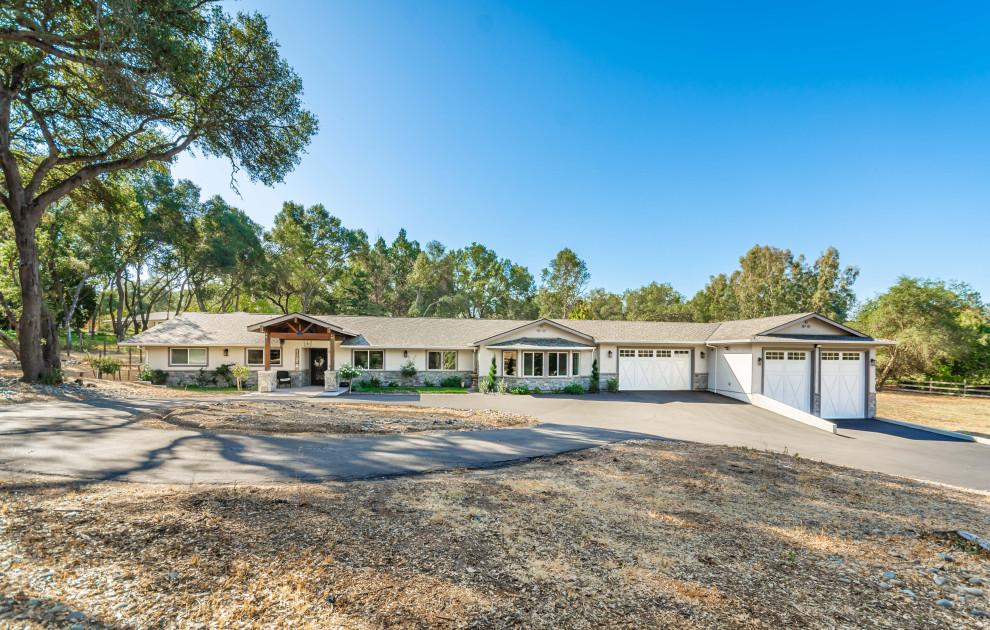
[635,535]
[327,418]
[966,415]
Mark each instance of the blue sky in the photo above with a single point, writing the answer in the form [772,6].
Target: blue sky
[659,141]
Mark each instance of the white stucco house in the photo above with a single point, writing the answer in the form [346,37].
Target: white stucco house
[798,364]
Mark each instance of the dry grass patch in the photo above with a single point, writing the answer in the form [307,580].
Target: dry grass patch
[630,536]
[284,417]
[966,415]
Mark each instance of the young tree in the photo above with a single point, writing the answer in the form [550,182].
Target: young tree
[91,88]
[600,304]
[563,285]
[925,317]
[656,302]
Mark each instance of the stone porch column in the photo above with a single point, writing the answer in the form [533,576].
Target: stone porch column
[267,381]
[330,381]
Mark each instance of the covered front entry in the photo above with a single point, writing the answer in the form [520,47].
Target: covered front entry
[654,369]
[317,365]
[843,385]
[787,377]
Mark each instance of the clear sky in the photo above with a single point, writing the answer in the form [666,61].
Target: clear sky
[659,141]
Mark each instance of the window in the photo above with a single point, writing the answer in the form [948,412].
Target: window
[681,353]
[645,354]
[775,356]
[850,356]
[446,360]
[369,359]
[830,356]
[796,356]
[509,363]
[576,364]
[532,364]
[256,356]
[187,356]
[557,364]
[627,353]
[663,354]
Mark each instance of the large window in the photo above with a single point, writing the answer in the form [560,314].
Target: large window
[557,364]
[441,360]
[509,363]
[532,364]
[576,364]
[187,356]
[256,356]
[369,359]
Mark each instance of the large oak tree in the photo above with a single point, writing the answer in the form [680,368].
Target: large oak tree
[90,87]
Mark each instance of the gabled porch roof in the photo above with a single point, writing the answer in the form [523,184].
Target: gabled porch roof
[300,326]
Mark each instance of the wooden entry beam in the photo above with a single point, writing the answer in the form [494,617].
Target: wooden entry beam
[290,335]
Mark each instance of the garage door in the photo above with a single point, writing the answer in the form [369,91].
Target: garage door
[787,377]
[843,385]
[654,369]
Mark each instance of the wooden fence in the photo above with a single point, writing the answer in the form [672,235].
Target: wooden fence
[943,388]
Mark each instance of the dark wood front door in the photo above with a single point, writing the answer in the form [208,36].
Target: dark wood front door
[317,365]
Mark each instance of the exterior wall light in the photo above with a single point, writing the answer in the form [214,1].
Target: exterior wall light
[405,353]
[610,354]
[873,361]
[702,354]
[225,352]
[759,360]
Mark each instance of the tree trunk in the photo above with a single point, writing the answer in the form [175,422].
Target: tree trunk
[49,335]
[29,327]
[887,369]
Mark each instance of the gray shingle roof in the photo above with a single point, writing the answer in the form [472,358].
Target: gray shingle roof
[541,342]
[425,332]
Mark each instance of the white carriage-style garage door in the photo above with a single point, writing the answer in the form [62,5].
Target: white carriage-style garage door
[843,385]
[652,369]
[787,377]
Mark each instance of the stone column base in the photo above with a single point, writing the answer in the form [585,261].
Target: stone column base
[330,381]
[267,381]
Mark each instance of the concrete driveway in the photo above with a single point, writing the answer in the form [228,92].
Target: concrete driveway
[99,441]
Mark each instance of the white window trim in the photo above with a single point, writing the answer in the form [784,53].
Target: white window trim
[369,369]
[568,367]
[187,349]
[262,364]
[441,369]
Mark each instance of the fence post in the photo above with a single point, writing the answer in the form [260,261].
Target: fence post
[964,388]
[930,389]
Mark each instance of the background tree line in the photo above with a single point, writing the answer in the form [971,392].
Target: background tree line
[120,248]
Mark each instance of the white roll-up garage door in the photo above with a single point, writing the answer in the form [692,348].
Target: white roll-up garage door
[787,377]
[843,385]
[651,369]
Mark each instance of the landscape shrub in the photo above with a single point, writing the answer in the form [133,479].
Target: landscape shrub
[103,365]
[374,381]
[224,372]
[612,385]
[348,372]
[156,377]
[574,388]
[393,384]
[492,374]
[520,390]
[595,385]
[51,376]
[204,378]
[484,386]
[502,387]
[452,381]
[408,370]
[537,390]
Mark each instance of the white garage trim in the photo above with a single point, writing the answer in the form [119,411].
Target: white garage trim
[655,369]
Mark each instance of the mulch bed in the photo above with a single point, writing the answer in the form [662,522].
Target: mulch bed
[635,535]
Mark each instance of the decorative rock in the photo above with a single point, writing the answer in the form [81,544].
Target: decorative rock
[975,581]
[979,613]
[78,626]
[908,592]
[944,603]
[75,615]
[884,585]
[940,581]
[969,590]
[946,557]
[889,574]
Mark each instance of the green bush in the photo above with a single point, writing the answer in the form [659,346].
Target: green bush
[452,381]
[537,390]
[51,376]
[595,385]
[224,372]
[484,386]
[612,385]
[408,370]
[492,375]
[348,372]
[374,381]
[393,384]
[520,390]
[103,365]
[204,378]
[574,388]
[502,387]
[156,377]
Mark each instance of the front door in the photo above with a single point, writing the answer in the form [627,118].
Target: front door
[317,365]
